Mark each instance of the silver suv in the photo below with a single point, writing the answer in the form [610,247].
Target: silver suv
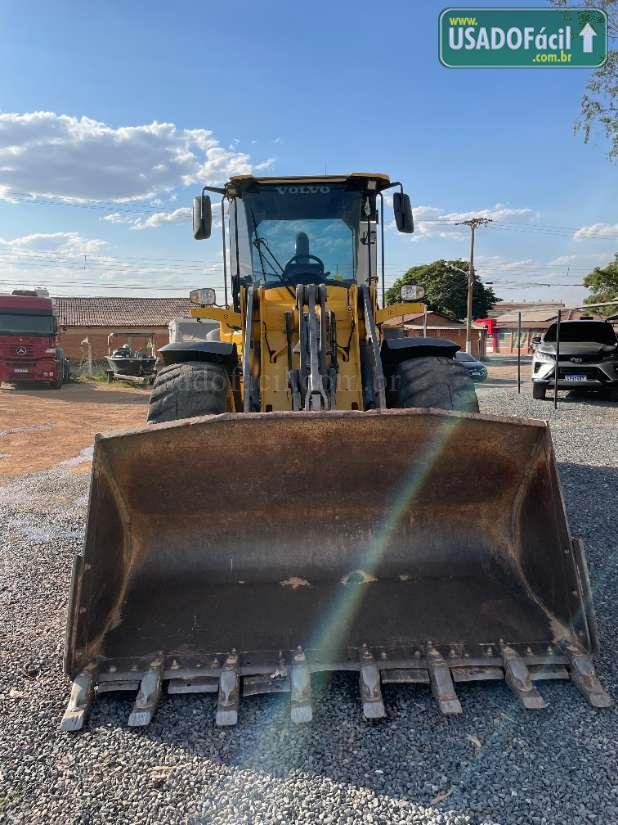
[588,358]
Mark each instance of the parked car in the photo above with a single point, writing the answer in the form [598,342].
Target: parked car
[476,369]
[588,358]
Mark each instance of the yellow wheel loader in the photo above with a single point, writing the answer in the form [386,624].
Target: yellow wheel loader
[316,491]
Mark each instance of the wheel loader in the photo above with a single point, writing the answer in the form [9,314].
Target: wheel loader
[316,491]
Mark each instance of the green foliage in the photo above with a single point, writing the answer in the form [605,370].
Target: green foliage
[603,283]
[446,289]
[599,105]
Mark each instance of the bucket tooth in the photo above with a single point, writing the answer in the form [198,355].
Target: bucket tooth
[585,679]
[442,685]
[82,694]
[300,689]
[370,687]
[229,692]
[518,678]
[147,697]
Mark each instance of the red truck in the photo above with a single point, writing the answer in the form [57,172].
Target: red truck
[29,351]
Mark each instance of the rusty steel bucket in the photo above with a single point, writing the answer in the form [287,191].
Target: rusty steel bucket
[239,553]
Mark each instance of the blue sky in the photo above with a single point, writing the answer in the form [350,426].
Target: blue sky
[278,88]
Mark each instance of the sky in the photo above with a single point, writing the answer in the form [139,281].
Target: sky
[113,115]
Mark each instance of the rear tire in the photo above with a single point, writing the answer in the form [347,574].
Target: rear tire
[538,391]
[188,390]
[437,382]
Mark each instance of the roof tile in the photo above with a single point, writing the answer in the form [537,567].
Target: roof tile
[105,311]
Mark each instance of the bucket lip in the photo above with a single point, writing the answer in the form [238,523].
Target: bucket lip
[324,415]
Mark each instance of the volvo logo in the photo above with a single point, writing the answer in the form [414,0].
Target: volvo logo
[302,190]
[21,351]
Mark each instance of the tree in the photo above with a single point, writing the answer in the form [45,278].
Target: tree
[599,105]
[603,283]
[446,289]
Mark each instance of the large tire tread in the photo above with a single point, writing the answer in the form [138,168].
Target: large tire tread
[188,390]
[437,382]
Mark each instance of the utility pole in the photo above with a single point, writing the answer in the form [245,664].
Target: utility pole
[473,223]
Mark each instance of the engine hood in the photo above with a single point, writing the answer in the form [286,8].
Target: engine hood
[578,348]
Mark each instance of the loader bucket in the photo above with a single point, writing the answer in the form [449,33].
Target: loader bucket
[239,553]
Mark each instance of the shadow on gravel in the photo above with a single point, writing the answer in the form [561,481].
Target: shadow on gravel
[495,763]
[89,396]
[498,382]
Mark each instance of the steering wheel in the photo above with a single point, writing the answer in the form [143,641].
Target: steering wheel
[315,258]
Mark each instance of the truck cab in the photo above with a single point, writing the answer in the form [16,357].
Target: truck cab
[29,351]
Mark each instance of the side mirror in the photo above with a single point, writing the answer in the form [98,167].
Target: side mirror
[536,340]
[202,217]
[403,212]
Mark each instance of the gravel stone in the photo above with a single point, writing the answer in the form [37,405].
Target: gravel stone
[548,767]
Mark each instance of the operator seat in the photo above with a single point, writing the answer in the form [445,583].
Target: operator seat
[302,264]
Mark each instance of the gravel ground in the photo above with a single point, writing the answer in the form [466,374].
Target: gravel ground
[496,764]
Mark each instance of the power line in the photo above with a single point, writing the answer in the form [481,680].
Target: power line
[122,207]
[46,200]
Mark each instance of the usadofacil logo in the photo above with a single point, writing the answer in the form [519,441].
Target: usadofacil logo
[523,38]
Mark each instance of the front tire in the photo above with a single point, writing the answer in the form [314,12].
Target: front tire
[538,391]
[188,390]
[437,382]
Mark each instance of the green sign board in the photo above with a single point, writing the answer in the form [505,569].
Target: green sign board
[523,38]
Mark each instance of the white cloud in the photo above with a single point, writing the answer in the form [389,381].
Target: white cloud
[118,217]
[433,221]
[68,263]
[580,260]
[563,260]
[498,263]
[265,164]
[499,212]
[64,244]
[180,215]
[596,230]
[72,158]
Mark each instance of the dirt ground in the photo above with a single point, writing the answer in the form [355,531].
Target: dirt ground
[42,428]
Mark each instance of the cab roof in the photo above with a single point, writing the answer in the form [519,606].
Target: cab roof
[242,182]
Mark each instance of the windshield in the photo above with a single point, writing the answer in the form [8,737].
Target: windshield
[303,234]
[463,356]
[582,332]
[26,324]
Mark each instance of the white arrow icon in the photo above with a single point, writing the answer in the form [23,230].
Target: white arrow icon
[586,34]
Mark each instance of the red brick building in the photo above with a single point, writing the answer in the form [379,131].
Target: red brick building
[502,329]
[94,319]
[443,326]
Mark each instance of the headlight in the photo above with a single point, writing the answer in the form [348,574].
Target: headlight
[412,292]
[205,297]
[545,357]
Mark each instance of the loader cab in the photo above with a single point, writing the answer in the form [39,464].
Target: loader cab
[301,231]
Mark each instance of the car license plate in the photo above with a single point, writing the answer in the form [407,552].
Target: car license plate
[20,369]
[577,377]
